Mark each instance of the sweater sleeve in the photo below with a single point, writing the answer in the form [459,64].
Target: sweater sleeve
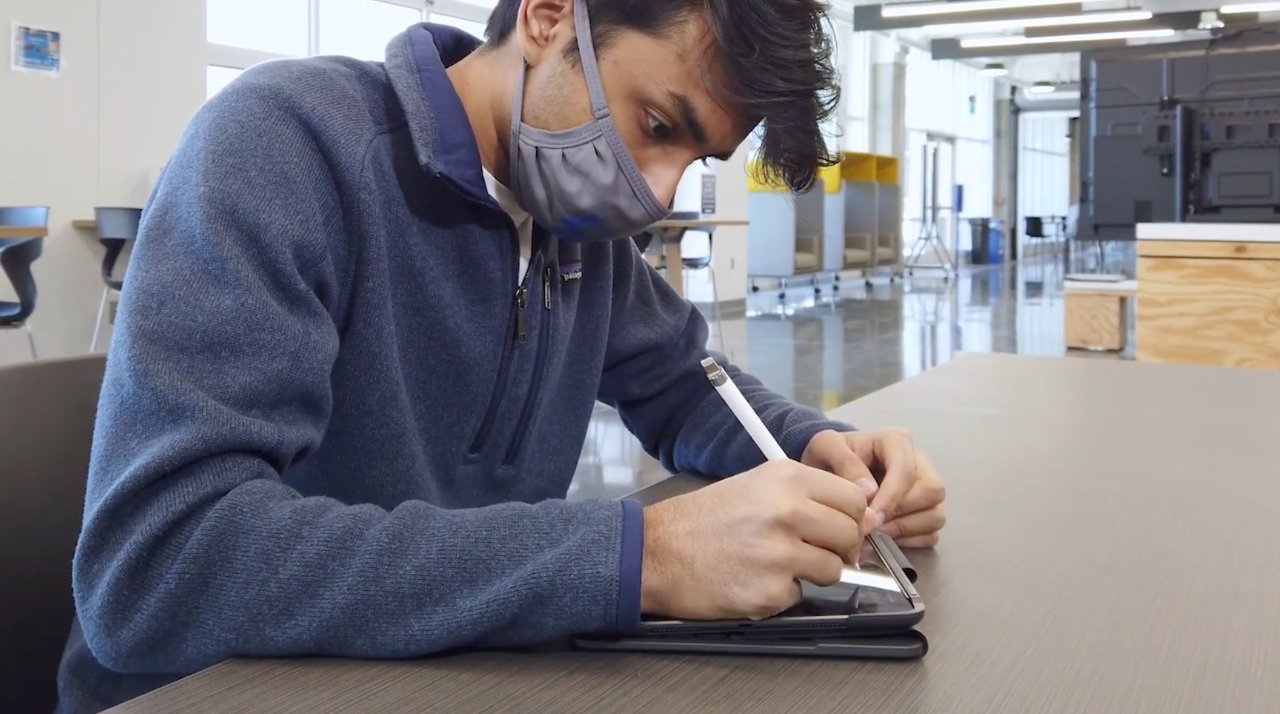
[654,377]
[194,547]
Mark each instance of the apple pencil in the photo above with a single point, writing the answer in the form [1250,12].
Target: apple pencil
[747,416]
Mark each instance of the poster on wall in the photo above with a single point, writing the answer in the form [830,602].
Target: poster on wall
[36,51]
[708,194]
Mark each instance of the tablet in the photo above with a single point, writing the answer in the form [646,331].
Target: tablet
[880,597]
[903,645]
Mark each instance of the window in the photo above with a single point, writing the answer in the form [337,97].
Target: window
[280,27]
[466,15]
[217,79]
[475,28]
[242,33]
[362,28]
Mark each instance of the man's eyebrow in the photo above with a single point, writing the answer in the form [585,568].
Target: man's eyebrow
[689,116]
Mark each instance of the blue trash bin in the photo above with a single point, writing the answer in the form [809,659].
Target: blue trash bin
[995,242]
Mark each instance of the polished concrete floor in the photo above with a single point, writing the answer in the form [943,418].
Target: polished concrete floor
[828,349]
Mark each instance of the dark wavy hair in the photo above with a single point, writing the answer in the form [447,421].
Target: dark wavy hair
[773,68]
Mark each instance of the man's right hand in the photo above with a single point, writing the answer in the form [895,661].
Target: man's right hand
[739,547]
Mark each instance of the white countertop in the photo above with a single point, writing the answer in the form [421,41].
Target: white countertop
[1226,232]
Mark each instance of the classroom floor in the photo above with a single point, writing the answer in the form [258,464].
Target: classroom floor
[829,349]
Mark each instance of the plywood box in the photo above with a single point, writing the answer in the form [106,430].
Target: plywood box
[1214,301]
[1097,314]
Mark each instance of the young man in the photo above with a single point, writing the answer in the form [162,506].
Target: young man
[368,315]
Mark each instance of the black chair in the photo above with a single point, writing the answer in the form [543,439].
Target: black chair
[16,257]
[24,216]
[117,227]
[1034,227]
[703,262]
[46,427]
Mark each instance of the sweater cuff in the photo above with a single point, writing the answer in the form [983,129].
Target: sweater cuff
[630,566]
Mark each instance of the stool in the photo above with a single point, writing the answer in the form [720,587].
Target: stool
[16,257]
[1096,312]
[117,227]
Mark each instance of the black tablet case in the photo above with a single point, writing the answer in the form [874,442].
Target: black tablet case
[857,636]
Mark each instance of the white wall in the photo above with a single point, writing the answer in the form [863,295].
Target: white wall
[133,74]
[151,81]
[729,257]
[949,99]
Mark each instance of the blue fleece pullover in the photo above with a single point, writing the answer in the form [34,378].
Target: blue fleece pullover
[331,423]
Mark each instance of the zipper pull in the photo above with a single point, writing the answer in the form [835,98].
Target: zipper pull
[546,287]
[522,325]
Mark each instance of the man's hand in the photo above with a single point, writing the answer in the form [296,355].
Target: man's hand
[738,547]
[905,490]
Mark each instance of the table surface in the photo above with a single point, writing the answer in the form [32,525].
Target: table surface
[696,222]
[1111,548]
[23,231]
[85,224]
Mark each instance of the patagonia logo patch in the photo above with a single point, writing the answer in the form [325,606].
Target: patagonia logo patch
[570,271]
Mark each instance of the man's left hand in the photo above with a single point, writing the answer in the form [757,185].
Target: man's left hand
[903,488]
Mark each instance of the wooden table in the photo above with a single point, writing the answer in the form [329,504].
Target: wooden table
[23,232]
[85,224]
[1209,293]
[1112,547]
[672,233]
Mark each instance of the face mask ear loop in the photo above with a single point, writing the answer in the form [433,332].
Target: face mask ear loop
[587,55]
[517,115]
[600,109]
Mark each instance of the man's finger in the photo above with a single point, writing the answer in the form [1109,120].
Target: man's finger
[835,453]
[924,541]
[896,452]
[926,492]
[849,467]
[829,529]
[817,565]
[834,492]
[916,524]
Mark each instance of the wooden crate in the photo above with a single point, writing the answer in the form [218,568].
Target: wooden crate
[1214,302]
[1097,314]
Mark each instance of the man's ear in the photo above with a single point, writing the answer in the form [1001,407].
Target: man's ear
[541,25]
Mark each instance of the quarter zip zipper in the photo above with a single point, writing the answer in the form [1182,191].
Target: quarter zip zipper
[518,328]
[522,320]
[545,328]
[547,274]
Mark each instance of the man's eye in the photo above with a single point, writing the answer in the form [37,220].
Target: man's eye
[659,129]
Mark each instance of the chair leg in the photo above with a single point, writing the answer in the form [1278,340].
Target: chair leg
[31,341]
[97,326]
[715,298]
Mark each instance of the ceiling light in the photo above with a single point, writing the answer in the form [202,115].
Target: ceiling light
[922,9]
[994,69]
[1018,41]
[1088,18]
[1041,88]
[1250,7]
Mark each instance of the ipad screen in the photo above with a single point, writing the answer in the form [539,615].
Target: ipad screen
[871,588]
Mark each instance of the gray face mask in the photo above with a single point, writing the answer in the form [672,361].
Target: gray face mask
[582,184]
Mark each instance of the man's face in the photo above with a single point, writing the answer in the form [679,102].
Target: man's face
[657,95]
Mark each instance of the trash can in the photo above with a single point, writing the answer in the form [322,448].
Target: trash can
[995,245]
[980,237]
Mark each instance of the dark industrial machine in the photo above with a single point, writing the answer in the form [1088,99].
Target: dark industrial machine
[1185,132]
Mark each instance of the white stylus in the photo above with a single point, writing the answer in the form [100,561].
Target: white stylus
[747,416]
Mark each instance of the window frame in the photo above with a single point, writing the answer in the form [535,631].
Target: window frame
[242,58]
